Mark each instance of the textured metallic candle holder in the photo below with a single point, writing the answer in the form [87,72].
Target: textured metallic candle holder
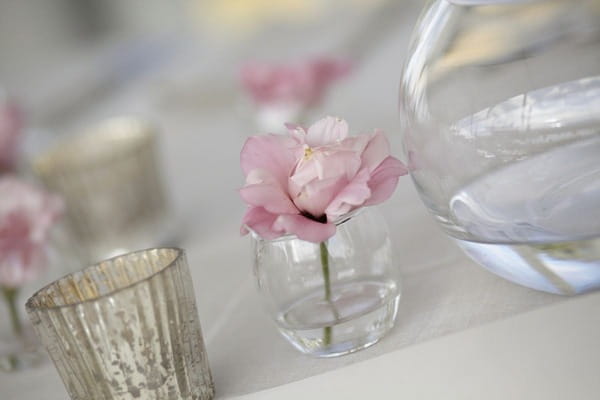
[110,182]
[126,328]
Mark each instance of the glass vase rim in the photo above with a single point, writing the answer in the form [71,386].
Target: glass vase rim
[290,236]
[30,305]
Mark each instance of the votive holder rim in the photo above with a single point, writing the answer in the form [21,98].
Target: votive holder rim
[58,157]
[31,307]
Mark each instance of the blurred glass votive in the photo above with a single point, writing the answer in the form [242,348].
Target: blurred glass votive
[126,328]
[110,181]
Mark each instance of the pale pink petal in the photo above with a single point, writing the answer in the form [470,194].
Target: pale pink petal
[295,128]
[269,196]
[305,228]
[328,130]
[316,196]
[260,176]
[26,216]
[273,153]
[353,195]
[384,180]
[356,143]
[376,151]
[270,84]
[338,163]
[327,70]
[298,133]
[53,208]
[325,165]
[261,222]
[22,265]
[263,82]
[302,83]
[15,231]
[306,171]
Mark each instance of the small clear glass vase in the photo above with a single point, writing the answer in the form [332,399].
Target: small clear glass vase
[335,297]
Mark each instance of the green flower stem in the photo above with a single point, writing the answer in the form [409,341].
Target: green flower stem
[10,295]
[327,331]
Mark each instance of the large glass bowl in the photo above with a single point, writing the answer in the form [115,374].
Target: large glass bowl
[500,104]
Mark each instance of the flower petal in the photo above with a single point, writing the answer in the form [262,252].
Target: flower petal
[326,131]
[376,151]
[270,196]
[356,143]
[22,265]
[325,165]
[327,70]
[353,195]
[261,222]
[26,216]
[316,196]
[384,179]
[273,153]
[305,228]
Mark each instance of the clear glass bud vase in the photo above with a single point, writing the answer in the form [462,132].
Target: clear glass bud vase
[334,297]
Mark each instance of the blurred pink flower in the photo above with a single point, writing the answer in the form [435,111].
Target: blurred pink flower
[26,216]
[303,182]
[304,83]
[11,125]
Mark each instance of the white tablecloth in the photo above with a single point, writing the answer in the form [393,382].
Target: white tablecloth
[547,354]
[443,291]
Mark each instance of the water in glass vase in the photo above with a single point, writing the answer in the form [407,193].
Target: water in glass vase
[537,221]
[359,314]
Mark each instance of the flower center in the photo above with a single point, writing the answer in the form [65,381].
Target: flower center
[322,219]
[308,152]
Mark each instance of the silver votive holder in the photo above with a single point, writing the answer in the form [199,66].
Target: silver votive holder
[110,182]
[126,328]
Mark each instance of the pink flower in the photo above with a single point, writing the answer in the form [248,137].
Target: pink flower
[303,182]
[26,216]
[303,83]
[11,125]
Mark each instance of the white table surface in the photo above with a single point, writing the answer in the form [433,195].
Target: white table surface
[549,354]
[445,296]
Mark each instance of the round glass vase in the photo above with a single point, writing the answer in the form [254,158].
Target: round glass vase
[335,297]
[500,104]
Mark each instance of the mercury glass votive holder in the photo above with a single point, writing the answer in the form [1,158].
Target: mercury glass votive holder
[126,328]
[110,181]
